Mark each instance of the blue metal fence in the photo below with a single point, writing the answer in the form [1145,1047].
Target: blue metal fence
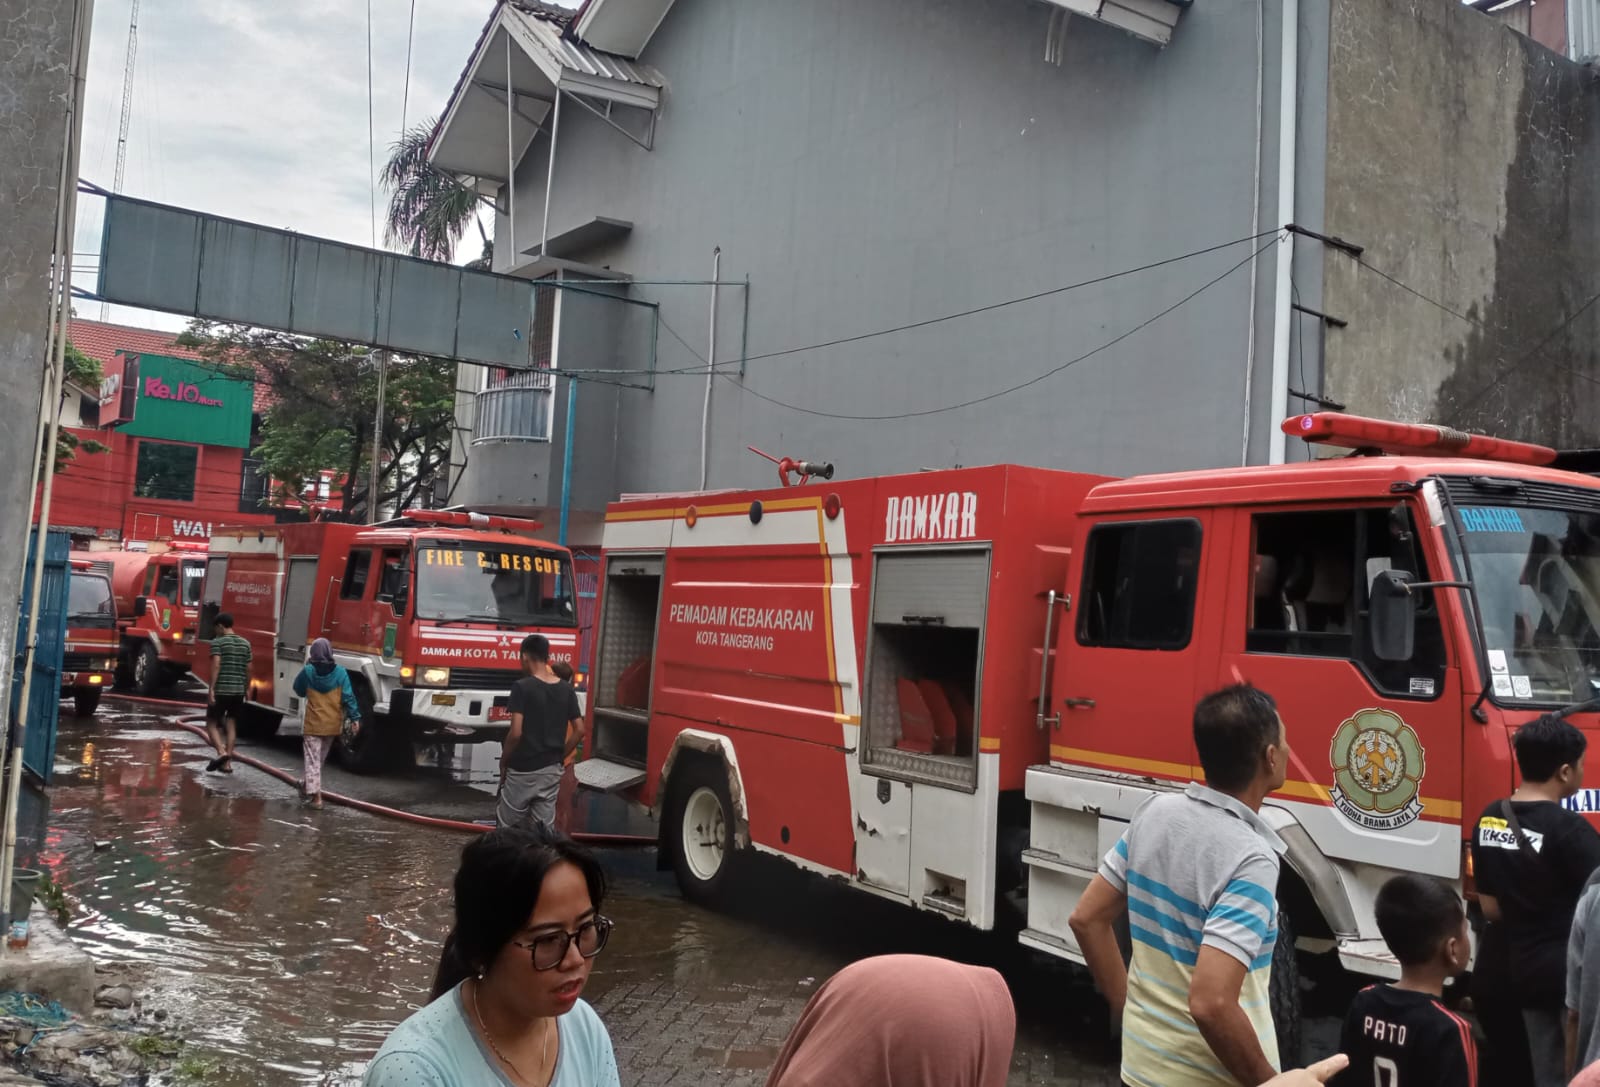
[44,700]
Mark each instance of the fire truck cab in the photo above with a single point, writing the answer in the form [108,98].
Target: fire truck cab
[954,689]
[157,593]
[426,612]
[91,649]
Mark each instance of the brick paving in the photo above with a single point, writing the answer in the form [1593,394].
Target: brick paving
[694,996]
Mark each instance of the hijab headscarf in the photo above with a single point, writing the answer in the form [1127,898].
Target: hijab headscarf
[322,651]
[902,1021]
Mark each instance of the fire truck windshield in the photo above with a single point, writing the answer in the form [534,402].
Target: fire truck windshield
[519,586]
[89,601]
[1537,573]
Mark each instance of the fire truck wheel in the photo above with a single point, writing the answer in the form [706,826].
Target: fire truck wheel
[369,747]
[147,670]
[85,700]
[256,723]
[1284,993]
[702,840]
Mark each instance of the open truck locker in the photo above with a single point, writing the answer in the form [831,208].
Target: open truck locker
[954,688]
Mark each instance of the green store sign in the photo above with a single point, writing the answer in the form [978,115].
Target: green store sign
[186,401]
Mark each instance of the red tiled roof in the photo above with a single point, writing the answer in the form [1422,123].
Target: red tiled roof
[101,341]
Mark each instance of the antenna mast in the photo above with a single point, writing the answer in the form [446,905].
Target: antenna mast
[127,112]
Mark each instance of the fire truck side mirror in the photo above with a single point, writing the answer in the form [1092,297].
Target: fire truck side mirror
[140,603]
[1392,616]
[397,602]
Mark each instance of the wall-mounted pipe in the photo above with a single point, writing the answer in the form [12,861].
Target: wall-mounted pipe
[711,363]
[1283,315]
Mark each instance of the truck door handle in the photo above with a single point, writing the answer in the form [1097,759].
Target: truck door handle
[1078,703]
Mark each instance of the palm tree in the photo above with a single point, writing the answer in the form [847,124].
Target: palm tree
[428,209]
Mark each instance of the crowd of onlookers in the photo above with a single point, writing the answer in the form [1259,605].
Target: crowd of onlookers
[1194,877]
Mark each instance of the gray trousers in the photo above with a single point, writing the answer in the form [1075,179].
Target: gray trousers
[1547,1044]
[528,798]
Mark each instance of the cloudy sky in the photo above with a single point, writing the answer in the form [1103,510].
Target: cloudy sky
[258,111]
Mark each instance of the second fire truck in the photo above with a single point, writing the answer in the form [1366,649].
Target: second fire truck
[426,612]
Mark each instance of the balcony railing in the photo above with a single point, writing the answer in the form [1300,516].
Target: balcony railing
[517,409]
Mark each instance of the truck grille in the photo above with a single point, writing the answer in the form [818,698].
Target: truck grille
[78,662]
[484,679]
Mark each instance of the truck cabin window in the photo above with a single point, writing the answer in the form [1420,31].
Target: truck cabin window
[1311,574]
[517,586]
[1537,573]
[1139,581]
[392,580]
[167,583]
[192,575]
[353,586]
[89,601]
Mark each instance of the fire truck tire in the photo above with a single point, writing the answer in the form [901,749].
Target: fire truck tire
[147,671]
[256,723]
[701,838]
[1283,993]
[369,747]
[85,700]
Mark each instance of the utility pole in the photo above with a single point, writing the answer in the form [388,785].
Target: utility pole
[382,358]
[46,81]
[127,114]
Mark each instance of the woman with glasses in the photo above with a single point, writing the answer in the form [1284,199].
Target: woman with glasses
[506,1005]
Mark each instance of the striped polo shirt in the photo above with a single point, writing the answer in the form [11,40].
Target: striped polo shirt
[234,676]
[1199,868]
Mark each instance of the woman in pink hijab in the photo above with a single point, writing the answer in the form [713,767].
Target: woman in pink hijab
[902,1021]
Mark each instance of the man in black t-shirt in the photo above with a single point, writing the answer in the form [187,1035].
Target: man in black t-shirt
[544,713]
[1401,1035]
[1531,858]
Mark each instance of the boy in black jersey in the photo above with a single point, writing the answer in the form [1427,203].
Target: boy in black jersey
[1532,857]
[1402,1035]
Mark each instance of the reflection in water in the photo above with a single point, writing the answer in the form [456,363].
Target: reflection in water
[284,942]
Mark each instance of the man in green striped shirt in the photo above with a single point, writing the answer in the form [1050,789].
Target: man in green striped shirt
[230,680]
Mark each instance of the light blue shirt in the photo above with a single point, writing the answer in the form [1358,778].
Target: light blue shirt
[437,1047]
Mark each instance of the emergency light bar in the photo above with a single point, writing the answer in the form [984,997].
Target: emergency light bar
[464,519]
[1358,432]
[187,545]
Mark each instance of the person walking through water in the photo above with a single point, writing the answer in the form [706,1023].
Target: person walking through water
[546,727]
[507,1003]
[329,702]
[230,679]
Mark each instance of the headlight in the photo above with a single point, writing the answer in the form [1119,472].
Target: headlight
[434,677]
[107,665]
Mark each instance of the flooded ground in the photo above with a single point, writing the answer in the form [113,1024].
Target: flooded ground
[287,942]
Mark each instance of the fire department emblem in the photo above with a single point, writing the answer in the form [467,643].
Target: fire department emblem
[1377,770]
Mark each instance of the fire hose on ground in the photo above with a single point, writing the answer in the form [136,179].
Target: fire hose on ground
[195,723]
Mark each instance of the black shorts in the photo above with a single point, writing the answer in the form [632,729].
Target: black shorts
[224,705]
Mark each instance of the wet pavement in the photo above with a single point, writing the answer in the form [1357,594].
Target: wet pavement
[287,942]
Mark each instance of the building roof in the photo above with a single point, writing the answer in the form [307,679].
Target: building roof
[470,137]
[102,342]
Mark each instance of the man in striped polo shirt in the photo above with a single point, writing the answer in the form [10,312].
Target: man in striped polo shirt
[230,682]
[1196,873]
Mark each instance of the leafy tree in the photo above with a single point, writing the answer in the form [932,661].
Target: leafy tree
[429,209]
[326,394]
[87,374]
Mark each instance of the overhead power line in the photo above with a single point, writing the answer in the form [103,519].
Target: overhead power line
[997,394]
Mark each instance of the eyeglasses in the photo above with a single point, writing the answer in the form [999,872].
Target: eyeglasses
[549,949]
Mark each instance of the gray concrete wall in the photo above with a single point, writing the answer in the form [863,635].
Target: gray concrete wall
[870,163]
[1464,157]
[35,47]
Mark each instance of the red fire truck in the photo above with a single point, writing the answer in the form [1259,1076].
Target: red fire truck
[427,612]
[953,689]
[157,595]
[91,650]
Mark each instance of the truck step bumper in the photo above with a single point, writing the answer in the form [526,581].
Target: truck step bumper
[606,776]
